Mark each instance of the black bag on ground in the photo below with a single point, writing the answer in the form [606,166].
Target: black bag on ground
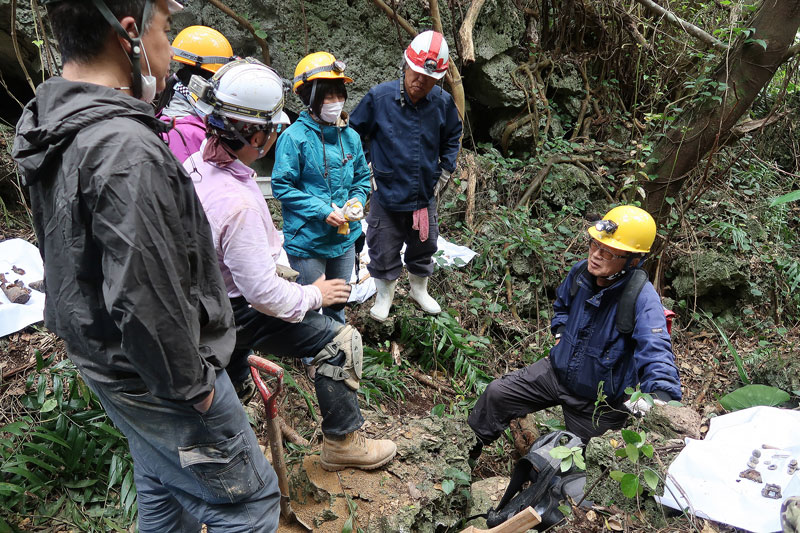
[548,487]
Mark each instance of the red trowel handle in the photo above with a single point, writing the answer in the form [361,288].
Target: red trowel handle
[258,365]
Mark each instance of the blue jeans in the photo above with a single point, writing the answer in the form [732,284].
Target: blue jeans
[338,403]
[311,268]
[192,468]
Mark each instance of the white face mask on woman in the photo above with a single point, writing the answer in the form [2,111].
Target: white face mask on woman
[330,113]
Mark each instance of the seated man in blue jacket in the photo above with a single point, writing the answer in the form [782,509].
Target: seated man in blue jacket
[413,131]
[592,356]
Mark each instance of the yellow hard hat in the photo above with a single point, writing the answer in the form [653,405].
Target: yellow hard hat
[319,65]
[203,47]
[626,227]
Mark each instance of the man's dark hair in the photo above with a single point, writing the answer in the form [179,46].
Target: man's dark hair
[80,29]
[325,87]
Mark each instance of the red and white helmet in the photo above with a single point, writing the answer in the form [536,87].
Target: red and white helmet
[428,54]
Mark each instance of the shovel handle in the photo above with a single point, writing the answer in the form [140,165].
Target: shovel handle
[258,365]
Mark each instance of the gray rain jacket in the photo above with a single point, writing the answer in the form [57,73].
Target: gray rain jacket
[131,274]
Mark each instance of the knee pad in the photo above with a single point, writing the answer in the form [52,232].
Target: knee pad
[348,341]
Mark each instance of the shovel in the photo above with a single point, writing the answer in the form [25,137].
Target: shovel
[519,523]
[274,434]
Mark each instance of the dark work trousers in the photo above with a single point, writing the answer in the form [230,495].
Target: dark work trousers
[338,403]
[192,468]
[532,389]
[388,231]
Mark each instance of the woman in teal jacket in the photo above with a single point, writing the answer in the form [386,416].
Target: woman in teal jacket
[321,177]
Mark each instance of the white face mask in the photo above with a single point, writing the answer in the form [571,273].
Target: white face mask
[330,113]
[149,81]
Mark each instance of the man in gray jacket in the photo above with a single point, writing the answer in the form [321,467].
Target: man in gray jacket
[131,274]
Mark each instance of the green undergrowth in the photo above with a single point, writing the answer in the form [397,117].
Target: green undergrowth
[62,461]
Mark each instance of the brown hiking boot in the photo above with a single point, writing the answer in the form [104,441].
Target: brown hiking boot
[356,451]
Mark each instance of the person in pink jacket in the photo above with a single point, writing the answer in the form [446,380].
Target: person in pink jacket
[243,103]
[202,51]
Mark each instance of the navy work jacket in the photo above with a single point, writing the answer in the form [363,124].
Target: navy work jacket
[592,350]
[409,145]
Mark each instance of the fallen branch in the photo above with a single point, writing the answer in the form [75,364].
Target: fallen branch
[429,382]
[290,434]
[537,181]
[396,17]
[243,22]
[453,76]
[472,182]
[689,28]
[465,33]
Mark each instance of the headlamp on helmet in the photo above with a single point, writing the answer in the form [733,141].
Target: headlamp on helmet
[606,226]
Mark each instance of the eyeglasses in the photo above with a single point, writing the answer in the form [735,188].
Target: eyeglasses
[605,253]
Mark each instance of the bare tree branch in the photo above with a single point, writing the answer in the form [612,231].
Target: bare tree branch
[243,22]
[465,33]
[689,28]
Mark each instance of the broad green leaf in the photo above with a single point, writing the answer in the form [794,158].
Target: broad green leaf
[566,464]
[786,198]
[448,485]
[23,472]
[560,452]
[647,449]
[457,474]
[109,429]
[629,485]
[616,475]
[651,478]
[753,395]
[633,452]
[47,435]
[36,461]
[10,488]
[80,484]
[48,405]
[631,437]
[15,428]
[579,462]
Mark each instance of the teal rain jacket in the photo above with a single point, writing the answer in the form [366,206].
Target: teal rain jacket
[306,193]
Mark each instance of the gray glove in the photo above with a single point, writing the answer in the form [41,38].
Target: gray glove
[441,184]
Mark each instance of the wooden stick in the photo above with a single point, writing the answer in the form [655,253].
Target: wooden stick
[290,434]
[246,25]
[16,44]
[689,28]
[429,382]
[472,182]
[465,33]
[519,523]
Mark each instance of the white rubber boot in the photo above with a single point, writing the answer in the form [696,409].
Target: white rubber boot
[383,300]
[419,292]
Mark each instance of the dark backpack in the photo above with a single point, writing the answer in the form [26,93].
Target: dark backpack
[626,310]
[548,487]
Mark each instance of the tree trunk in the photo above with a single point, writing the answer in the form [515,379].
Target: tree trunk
[744,71]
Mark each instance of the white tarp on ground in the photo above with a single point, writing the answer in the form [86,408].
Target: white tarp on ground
[24,255]
[704,477]
[448,255]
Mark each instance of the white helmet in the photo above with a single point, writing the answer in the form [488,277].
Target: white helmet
[244,90]
[428,54]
